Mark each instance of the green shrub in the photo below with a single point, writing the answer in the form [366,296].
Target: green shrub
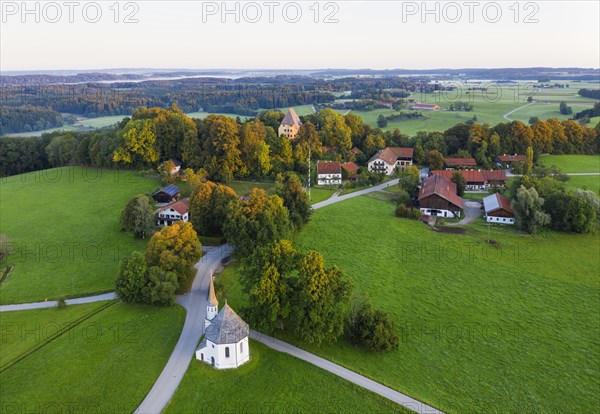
[372,329]
[407,212]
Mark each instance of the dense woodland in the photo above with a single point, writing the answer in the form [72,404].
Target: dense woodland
[227,148]
[27,119]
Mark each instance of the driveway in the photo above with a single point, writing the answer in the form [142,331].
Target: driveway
[335,198]
[472,210]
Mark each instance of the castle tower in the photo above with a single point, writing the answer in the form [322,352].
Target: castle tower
[213,304]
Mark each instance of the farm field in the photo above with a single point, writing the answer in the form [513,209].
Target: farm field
[64,226]
[573,163]
[82,124]
[587,182]
[272,382]
[108,363]
[482,328]
[489,107]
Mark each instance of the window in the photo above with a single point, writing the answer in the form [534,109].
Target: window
[241,347]
[226,352]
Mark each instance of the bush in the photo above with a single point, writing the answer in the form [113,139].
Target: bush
[408,212]
[372,329]
[61,303]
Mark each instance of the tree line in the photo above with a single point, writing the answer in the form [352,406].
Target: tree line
[27,119]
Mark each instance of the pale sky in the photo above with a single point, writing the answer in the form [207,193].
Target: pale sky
[374,34]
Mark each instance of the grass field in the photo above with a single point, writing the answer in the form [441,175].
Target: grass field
[244,187]
[504,328]
[64,225]
[272,382]
[489,106]
[587,182]
[573,163]
[106,364]
[318,194]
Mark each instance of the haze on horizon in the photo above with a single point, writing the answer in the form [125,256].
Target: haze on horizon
[375,35]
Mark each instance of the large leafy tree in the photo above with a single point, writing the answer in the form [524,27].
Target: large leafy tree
[434,159]
[461,183]
[176,249]
[137,143]
[321,300]
[335,131]
[409,180]
[289,187]
[137,217]
[254,150]
[221,143]
[256,222]
[208,207]
[528,210]
[570,213]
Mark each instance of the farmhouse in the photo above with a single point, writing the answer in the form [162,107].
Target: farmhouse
[437,197]
[477,180]
[425,106]
[168,194]
[171,213]
[460,162]
[225,343]
[329,173]
[389,159]
[506,161]
[497,209]
[349,167]
[176,166]
[290,125]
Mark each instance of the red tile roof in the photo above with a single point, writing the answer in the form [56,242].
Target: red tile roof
[441,186]
[460,162]
[511,158]
[424,105]
[328,167]
[494,175]
[180,206]
[355,150]
[497,202]
[403,152]
[350,167]
[471,176]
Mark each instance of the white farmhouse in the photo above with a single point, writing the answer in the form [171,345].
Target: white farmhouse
[225,344]
[498,210]
[390,159]
[329,173]
[171,213]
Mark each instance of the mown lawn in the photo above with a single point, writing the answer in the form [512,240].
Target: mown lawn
[107,364]
[318,194]
[510,327]
[64,226]
[573,163]
[272,382]
[587,182]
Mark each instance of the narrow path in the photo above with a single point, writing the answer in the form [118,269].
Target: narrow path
[194,303]
[335,198]
[345,373]
[54,303]
[516,109]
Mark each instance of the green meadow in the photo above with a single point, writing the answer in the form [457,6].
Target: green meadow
[64,226]
[105,364]
[573,163]
[503,327]
[272,382]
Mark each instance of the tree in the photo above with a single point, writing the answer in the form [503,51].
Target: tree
[137,217]
[590,197]
[533,119]
[208,207]
[322,296]
[221,142]
[335,131]
[434,159]
[176,249]
[570,213]
[372,329]
[382,122]
[138,283]
[528,210]
[137,143]
[289,187]
[256,222]
[419,154]
[461,183]
[528,160]
[409,180]
[565,109]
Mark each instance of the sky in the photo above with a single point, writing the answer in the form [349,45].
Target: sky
[59,35]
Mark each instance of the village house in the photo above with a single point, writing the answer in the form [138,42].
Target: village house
[506,161]
[174,212]
[225,344]
[350,168]
[437,197]
[290,125]
[169,194]
[425,106]
[390,159]
[460,162]
[176,166]
[498,210]
[477,180]
[329,173]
